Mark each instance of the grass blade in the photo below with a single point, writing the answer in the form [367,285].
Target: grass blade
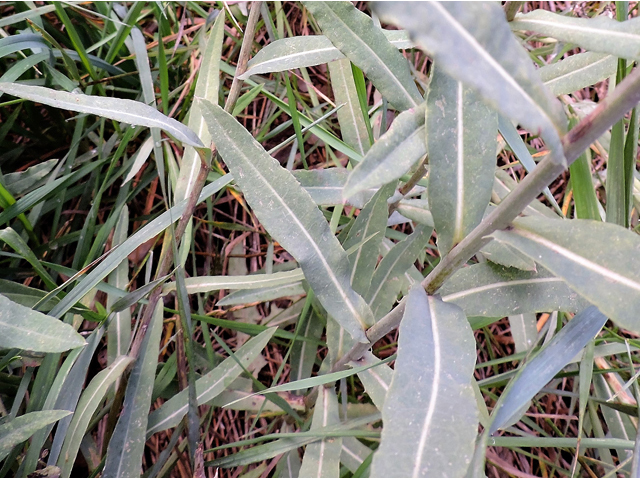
[354,34]
[430,420]
[296,223]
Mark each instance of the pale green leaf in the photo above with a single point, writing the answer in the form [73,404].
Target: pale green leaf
[266,294]
[325,187]
[598,260]
[504,184]
[430,415]
[31,330]
[578,71]
[400,148]
[601,34]
[91,397]
[523,330]
[355,35]
[290,216]
[122,110]
[417,210]
[322,458]
[307,51]
[473,43]
[119,329]
[19,183]
[376,380]
[237,282]
[303,353]
[486,290]
[19,429]
[507,256]
[354,453]
[208,386]
[126,448]
[545,364]
[461,134]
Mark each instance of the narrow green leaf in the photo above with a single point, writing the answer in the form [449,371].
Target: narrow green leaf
[545,364]
[303,353]
[472,42]
[486,290]
[91,397]
[350,117]
[307,51]
[376,380]
[31,330]
[387,279]
[584,193]
[15,241]
[578,71]
[601,34]
[507,256]
[326,185]
[126,448]
[19,183]
[295,223]
[237,282]
[596,259]
[208,386]
[265,294]
[322,458]
[354,454]
[121,110]
[431,418]
[461,134]
[393,155]
[18,430]
[355,35]
[523,331]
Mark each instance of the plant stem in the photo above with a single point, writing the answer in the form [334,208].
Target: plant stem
[625,97]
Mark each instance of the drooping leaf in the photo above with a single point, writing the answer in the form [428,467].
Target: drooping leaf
[322,458]
[401,147]
[473,43]
[577,71]
[208,386]
[486,290]
[596,259]
[126,448]
[461,134]
[355,35]
[430,418]
[121,110]
[546,363]
[291,217]
[601,34]
[87,405]
[307,51]
[19,429]
[31,330]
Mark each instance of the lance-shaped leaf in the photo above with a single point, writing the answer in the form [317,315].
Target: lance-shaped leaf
[290,216]
[350,116]
[322,458]
[119,329]
[87,405]
[126,448]
[208,386]
[31,330]
[546,363]
[578,71]
[121,110]
[601,34]
[488,290]
[472,42]
[307,51]
[325,187]
[19,429]
[430,416]
[376,381]
[355,35]
[237,282]
[461,134]
[388,278]
[392,155]
[598,260]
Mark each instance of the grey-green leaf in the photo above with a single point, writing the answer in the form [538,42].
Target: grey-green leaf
[307,51]
[461,134]
[601,34]
[19,429]
[546,363]
[121,110]
[31,330]
[577,71]
[392,155]
[355,35]
[473,43]
[290,216]
[325,187]
[430,415]
[208,386]
[486,290]
[598,260]
[126,448]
